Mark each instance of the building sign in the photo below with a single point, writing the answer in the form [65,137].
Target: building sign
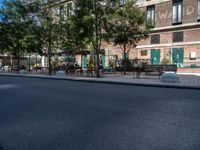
[165,14]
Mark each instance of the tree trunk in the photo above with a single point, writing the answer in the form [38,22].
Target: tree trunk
[29,62]
[49,61]
[18,61]
[82,51]
[4,60]
[49,47]
[11,62]
[18,51]
[98,71]
[124,62]
[36,61]
[97,41]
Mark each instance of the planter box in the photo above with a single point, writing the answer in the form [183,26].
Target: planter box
[23,72]
[170,77]
[60,73]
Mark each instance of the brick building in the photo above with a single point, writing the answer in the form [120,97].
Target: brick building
[175,36]
[176,33]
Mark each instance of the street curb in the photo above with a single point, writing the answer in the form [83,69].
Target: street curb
[106,82]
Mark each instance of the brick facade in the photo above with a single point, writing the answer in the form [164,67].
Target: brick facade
[163,26]
[189,11]
[163,14]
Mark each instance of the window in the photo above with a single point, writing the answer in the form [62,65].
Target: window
[155,39]
[177,12]
[178,37]
[193,56]
[122,2]
[143,52]
[198,10]
[151,14]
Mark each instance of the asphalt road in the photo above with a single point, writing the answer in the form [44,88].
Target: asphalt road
[42,114]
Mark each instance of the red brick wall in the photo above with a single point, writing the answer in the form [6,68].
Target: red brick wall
[189,11]
[166,38]
[144,42]
[164,53]
[163,14]
[164,18]
[192,35]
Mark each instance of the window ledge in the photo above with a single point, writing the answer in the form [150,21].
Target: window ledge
[177,23]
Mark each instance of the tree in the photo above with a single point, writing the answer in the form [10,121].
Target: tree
[11,30]
[127,27]
[80,27]
[89,23]
[15,27]
[33,40]
[50,30]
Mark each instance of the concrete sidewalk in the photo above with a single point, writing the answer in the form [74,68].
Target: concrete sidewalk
[186,81]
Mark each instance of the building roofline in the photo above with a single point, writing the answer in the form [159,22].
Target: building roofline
[152,2]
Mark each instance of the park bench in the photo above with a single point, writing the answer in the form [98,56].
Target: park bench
[171,67]
[78,71]
[154,69]
[159,69]
[138,70]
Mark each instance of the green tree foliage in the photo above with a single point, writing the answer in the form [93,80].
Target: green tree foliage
[16,28]
[50,29]
[80,27]
[88,23]
[127,27]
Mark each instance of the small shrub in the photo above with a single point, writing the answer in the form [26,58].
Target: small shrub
[166,61]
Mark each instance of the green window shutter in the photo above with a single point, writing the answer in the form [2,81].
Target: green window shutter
[103,57]
[155,56]
[178,57]
[84,59]
[126,56]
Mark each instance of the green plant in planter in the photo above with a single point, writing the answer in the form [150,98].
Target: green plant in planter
[91,65]
[166,61]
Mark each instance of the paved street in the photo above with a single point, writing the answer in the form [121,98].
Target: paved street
[43,114]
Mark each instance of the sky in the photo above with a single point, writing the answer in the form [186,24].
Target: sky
[0,6]
[1,1]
